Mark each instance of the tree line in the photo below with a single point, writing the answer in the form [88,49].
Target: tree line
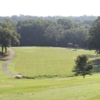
[47,31]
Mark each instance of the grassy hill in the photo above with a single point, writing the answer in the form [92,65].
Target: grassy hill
[35,61]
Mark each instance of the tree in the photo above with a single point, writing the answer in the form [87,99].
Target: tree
[8,34]
[83,66]
[31,31]
[70,44]
[66,23]
[93,39]
[51,31]
[76,46]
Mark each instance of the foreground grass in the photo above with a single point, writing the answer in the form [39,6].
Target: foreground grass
[70,88]
[34,61]
[73,88]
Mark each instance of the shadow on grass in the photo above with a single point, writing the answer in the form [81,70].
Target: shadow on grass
[47,76]
[2,59]
[92,56]
[96,61]
[97,68]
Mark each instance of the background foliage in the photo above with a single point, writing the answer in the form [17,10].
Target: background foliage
[52,31]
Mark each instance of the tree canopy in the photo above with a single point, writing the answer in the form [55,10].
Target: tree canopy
[83,66]
[94,36]
[50,31]
[8,34]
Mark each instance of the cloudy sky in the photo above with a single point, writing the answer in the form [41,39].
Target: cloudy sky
[50,7]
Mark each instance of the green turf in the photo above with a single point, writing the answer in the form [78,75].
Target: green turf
[70,88]
[73,88]
[34,61]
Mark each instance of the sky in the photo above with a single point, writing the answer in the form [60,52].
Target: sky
[50,7]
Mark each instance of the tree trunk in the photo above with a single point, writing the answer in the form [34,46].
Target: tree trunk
[2,50]
[5,49]
[83,76]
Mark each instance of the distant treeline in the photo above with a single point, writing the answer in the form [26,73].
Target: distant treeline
[52,31]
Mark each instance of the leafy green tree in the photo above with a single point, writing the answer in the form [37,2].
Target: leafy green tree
[46,32]
[31,31]
[66,23]
[53,33]
[8,35]
[83,66]
[93,39]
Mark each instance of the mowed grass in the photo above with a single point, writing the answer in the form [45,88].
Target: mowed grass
[69,88]
[44,61]
[34,61]
[72,88]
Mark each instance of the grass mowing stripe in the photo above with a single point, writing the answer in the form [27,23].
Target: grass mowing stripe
[36,61]
[71,88]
